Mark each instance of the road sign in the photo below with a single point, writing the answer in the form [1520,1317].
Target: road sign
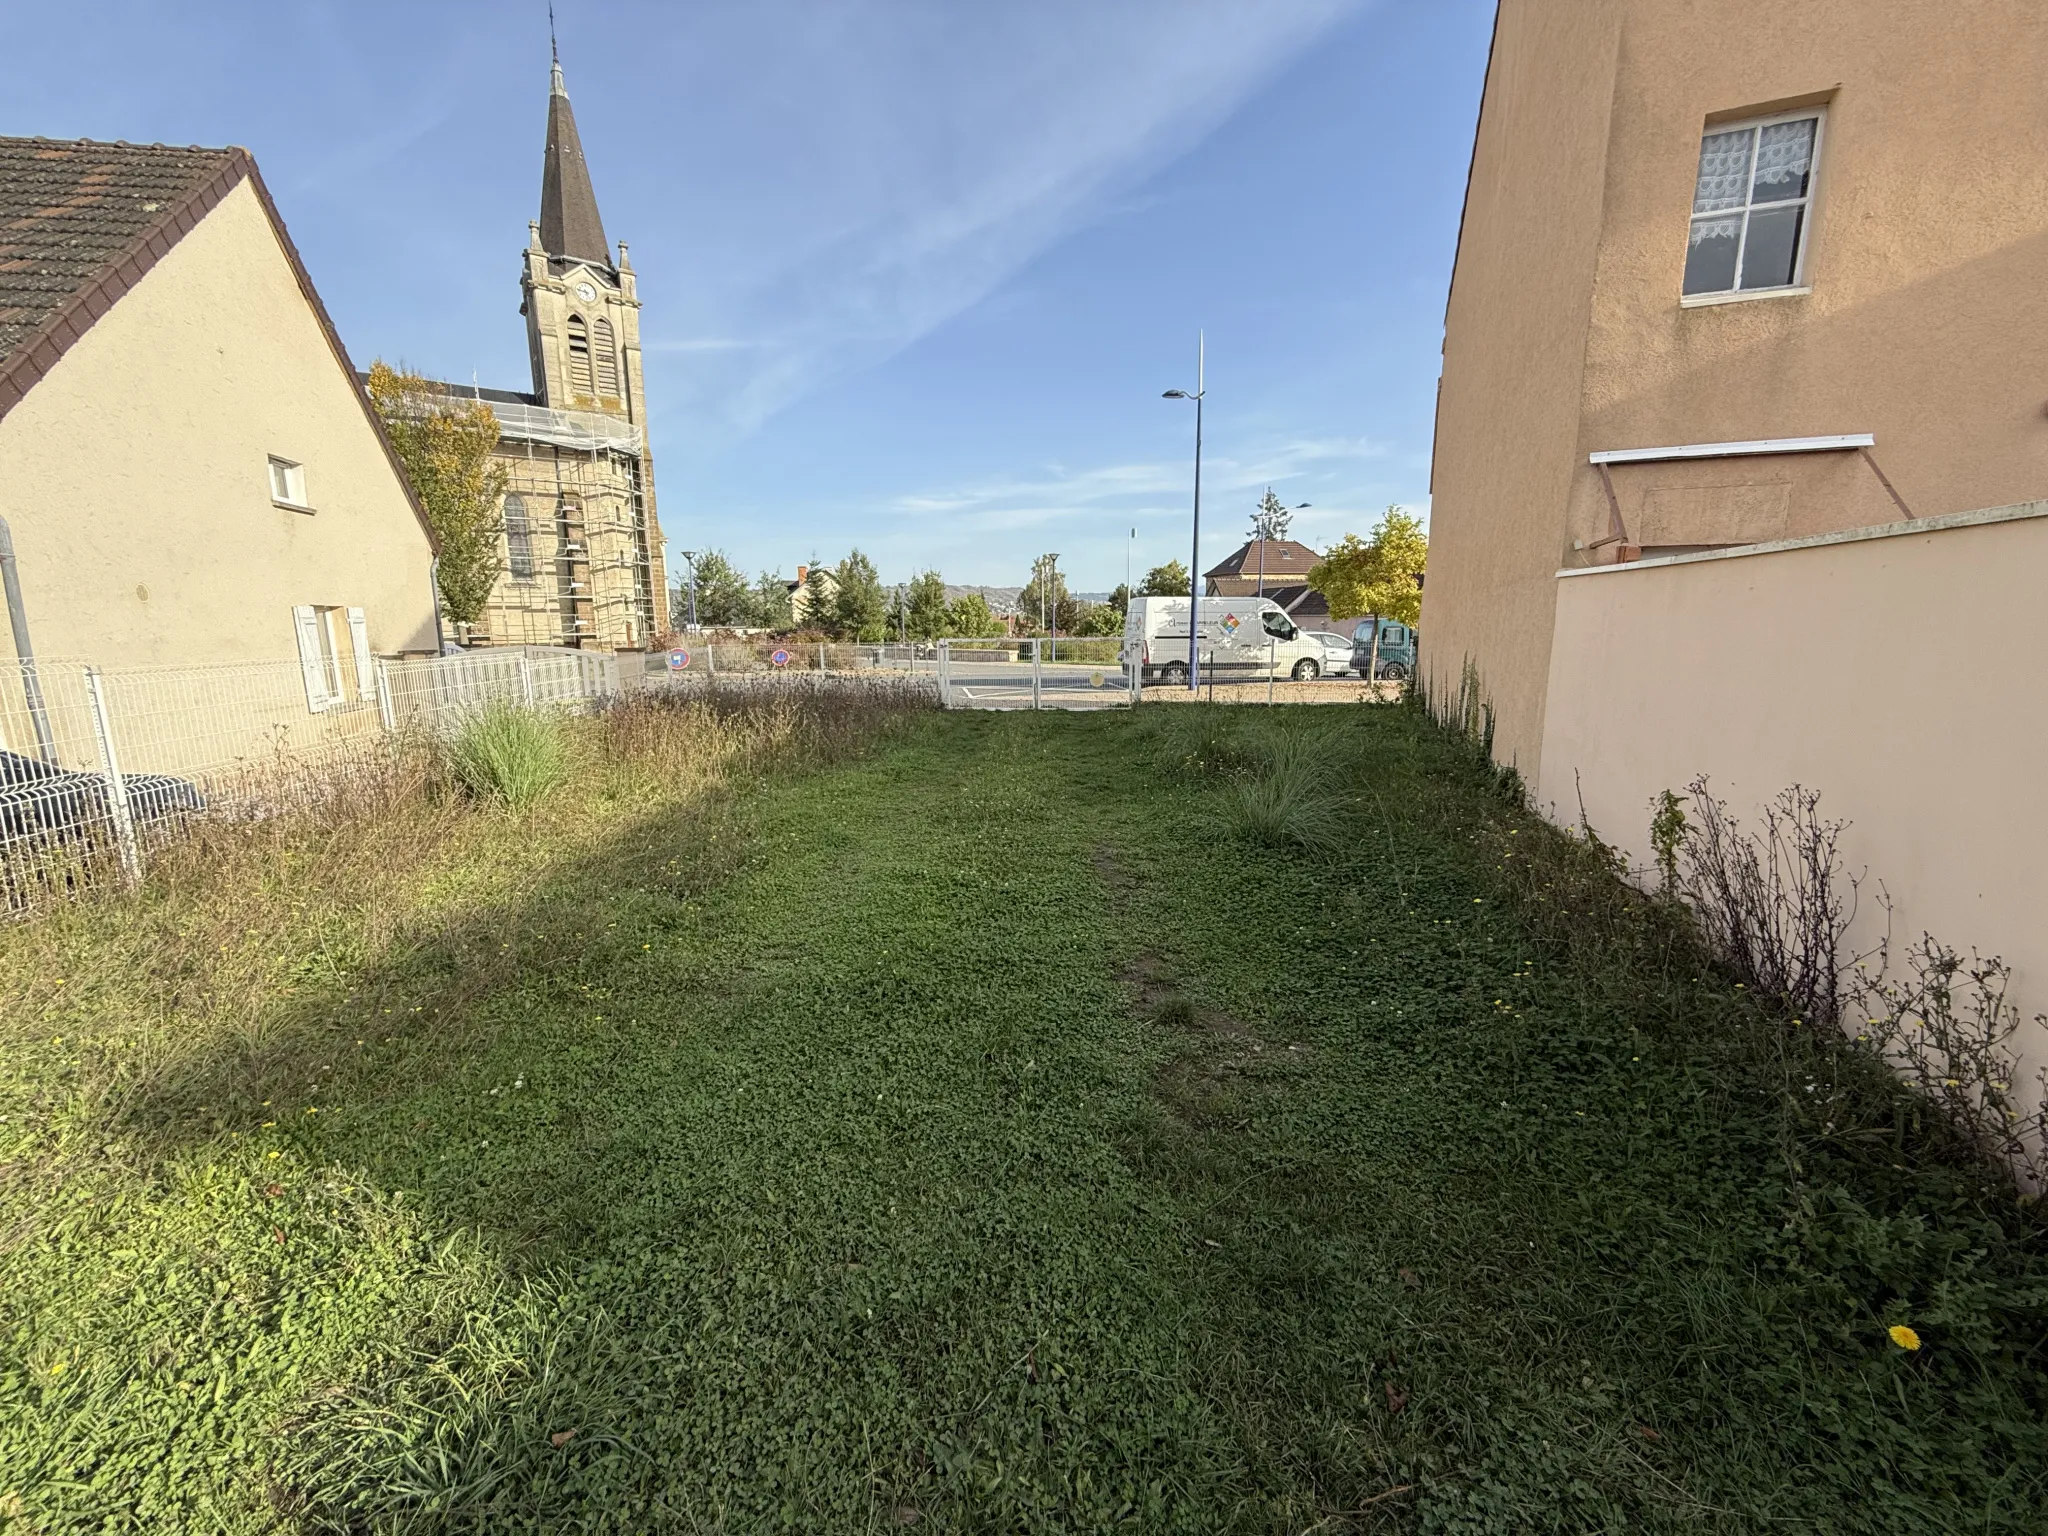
[677,660]
[780,658]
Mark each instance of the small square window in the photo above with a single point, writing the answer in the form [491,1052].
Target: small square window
[288,483]
[1751,206]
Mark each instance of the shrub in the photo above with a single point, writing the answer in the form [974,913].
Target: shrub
[507,753]
[1287,802]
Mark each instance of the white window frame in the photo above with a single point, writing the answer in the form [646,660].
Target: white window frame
[293,475]
[1799,284]
[321,647]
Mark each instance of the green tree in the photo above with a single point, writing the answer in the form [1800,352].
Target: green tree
[1271,519]
[928,618]
[817,609]
[1045,599]
[725,598]
[1168,580]
[1379,575]
[446,445]
[1120,600]
[859,608]
[970,617]
[771,602]
[1098,619]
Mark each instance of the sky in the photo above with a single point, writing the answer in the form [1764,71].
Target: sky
[914,273]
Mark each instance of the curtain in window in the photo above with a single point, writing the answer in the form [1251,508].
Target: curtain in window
[1724,171]
[1784,156]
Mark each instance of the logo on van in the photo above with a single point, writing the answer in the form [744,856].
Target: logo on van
[1231,623]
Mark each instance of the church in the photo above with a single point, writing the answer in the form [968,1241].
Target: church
[582,548]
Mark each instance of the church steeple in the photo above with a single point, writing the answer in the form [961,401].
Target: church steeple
[569,222]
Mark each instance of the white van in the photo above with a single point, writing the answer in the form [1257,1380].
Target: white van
[1241,638]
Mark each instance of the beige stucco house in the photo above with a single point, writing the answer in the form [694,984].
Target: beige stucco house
[1816,232]
[1742,457]
[189,470]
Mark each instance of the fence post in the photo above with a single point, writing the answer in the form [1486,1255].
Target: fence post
[117,786]
[1272,665]
[526,678]
[1134,678]
[945,671]
[710,659]
[1037,673]
[384,709]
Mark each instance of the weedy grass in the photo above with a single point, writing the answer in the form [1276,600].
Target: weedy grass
[506,753]
[819,1115]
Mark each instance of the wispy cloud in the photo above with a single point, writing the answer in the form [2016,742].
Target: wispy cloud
[932,151]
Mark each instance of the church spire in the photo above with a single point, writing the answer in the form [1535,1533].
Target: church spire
[569,222]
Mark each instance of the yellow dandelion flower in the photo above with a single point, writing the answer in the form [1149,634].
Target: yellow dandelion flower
[1904,1337]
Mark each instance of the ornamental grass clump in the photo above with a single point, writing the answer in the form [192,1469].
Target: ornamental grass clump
[504,752]
[1287,802]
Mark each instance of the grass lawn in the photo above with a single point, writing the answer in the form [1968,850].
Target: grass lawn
[968,1123]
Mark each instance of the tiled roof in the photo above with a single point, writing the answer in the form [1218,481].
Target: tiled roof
[70,209]
[1284,557]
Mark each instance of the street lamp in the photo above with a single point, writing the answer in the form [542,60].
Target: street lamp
[691,556]
[1195,552]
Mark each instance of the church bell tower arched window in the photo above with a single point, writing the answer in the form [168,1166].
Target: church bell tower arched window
[605,359]
[579,357]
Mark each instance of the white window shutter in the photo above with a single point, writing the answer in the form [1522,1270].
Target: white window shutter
[307,623]
[359,632]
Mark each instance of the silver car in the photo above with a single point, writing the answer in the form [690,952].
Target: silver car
[1336,651]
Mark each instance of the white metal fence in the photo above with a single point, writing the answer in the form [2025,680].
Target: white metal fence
[100,765]
[1027,674]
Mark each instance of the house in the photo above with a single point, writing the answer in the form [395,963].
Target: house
[189,470]
[583,559]
[801,597]
[1741,448]
[1260,565]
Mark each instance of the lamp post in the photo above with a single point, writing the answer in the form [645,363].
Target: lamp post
[691,556]
[1195,550]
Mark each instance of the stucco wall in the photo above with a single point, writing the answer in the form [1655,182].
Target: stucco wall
[135,475]
[1901,676]
[1927,264]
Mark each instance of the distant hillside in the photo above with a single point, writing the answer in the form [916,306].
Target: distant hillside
[1001,600]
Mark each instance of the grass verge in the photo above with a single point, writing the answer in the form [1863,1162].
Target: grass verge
[852,1121]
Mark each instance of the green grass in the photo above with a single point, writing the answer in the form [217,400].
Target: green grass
[987,1130]
[507,753]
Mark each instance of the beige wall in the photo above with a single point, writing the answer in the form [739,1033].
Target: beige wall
[1514,353]
[134,475]
[1900,675]
[1927,264]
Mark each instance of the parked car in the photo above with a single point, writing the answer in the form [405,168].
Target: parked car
[1397,650]
[38,798]
[1336,651]
[1240,639]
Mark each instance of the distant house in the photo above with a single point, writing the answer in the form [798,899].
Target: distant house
[1260,566]
[800,594]
[188,467]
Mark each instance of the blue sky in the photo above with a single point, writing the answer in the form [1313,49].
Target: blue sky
[914,272]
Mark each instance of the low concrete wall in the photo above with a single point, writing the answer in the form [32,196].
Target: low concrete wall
[1900,671]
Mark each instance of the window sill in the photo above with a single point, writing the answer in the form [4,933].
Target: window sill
[291,506]
[1744,296]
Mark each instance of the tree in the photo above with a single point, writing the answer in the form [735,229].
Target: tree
[927,617]
[1045,598]
[771,601]
[1168,580]
[970,617]
[859,608]
[725,599]
[1120,600]
[1380,576]
[1270,521]
[446,445]
[812,604]
[1098,619]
